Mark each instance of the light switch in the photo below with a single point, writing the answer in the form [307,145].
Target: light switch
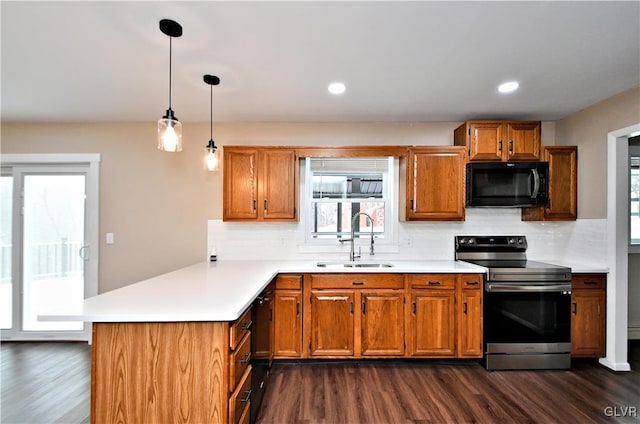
[109,238]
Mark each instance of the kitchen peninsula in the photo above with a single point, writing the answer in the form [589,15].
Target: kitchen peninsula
[174,348]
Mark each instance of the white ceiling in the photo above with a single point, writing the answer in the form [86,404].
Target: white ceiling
[401,61]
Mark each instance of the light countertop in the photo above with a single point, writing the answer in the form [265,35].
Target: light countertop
[216,291]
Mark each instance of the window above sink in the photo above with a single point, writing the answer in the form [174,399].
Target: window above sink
[335,189]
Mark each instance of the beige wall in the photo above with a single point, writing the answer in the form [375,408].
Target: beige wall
[588,130]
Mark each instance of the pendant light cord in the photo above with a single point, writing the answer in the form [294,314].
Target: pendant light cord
[211,117]
[170,71]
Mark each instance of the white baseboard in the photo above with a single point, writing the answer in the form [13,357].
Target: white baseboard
[615,366]
[634,332]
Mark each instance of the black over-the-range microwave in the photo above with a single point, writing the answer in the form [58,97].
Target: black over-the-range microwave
[507,184]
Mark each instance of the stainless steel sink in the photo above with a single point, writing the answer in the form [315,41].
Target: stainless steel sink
[354,265]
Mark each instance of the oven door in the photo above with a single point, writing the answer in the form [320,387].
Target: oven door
[527,317]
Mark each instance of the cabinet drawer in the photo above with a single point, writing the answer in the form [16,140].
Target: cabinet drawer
[239,361]
[289,282]
[240,398]
[239,328]
[435,281]
[588,281]
[351,281]
[471,281]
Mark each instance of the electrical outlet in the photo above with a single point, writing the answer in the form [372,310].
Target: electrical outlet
[109,238]
[409,241]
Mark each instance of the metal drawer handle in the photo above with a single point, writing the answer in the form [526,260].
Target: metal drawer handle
[358,283]
[591,282]
[246,359]
[247,326]
[247,398]
[472,283]
[434,283]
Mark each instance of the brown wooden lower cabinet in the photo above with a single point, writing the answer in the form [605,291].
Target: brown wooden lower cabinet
[382,322]
[588,315]
[470,323]
[288,317]
[445,319]
[167,372]
[356,315]
[332,323]
[433,322]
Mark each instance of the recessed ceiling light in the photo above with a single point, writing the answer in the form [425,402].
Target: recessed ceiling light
[337,88]
[508,87]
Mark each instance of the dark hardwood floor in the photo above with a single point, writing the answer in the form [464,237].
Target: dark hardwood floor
[49,383]
[45,382]
[439,391]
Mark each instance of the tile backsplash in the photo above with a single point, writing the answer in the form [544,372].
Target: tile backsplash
[581,241]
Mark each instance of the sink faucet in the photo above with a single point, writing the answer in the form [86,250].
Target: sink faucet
[352,254]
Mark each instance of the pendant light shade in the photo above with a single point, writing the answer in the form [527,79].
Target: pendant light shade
[211,151]
[169,128]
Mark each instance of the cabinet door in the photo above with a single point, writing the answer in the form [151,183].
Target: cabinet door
[587,323]
[523,141]
[382,322]
[436,184]
[332,322]
[563,183]
[486,140]
[288,324]
[433,323]
[279,184]
[563,186]
[240,184]
[470,324]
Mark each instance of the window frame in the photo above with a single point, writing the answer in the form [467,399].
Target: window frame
[390,187]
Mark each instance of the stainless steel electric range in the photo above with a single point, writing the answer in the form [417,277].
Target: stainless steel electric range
[527,304]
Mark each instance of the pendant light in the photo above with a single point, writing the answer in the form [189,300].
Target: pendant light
[169,128]
[211,151]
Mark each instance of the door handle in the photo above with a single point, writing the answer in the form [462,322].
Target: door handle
[464,308]
[536,183]
[414,308]
[265,205]
[574,308]
[297,309]
[82,252]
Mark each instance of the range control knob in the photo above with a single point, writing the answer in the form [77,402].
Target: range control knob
[511,240]
[471,241]
[520,240]
[463,241]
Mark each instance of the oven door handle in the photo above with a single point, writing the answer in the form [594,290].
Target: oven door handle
[492,287]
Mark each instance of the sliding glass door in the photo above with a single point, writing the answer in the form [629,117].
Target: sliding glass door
[45,250]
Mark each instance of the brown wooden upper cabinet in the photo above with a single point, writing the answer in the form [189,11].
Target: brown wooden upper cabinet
[260,184]
[434,184]
[500,140]
[563,186]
